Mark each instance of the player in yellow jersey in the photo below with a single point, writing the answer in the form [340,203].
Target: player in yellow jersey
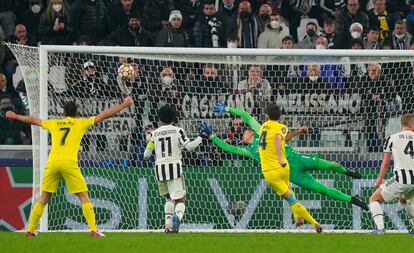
[275,167]
[66,135]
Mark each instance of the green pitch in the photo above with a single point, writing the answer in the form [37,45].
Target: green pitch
[206,242]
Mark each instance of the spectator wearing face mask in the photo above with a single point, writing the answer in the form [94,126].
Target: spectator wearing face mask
[310,37]
[30,17]
[401,39]
[129,35]
[173,34]
[208,30]
[164,89]
[263,15]
[273,34]
[54,26]
[246,26]
[356,30]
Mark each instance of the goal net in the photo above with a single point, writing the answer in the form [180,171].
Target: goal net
[349,99]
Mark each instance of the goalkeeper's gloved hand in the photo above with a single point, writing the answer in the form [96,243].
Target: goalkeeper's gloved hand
[219,107]
[205,130]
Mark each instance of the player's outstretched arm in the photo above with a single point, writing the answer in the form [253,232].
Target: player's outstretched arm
[221,107]
[384,168]
[302,130]
[148,150]
[206,131]
[24,118]
[114,110]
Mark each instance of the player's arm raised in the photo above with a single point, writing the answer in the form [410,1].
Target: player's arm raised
[302,130]
[114,110]
[24,118]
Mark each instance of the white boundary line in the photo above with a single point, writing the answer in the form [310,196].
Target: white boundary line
[235,231]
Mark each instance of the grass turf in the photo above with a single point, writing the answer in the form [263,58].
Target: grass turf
[206,242]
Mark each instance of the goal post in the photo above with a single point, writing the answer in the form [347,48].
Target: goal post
[356,101]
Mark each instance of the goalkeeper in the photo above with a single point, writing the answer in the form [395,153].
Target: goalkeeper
[300,164]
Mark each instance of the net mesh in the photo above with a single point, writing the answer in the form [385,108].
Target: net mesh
[349,103]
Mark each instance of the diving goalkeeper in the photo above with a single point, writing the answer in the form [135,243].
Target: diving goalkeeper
[300,165]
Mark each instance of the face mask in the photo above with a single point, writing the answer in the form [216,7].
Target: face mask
[228,7]
[244,15]
[320,46]
[311,33]
[313,78]
[356,35]
[232,45]
[400,36]
[166,80]
[57,7]
[210,78]
[274,24]
[264,16]
[36,8]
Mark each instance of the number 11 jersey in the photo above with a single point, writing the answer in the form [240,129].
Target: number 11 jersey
[168,142]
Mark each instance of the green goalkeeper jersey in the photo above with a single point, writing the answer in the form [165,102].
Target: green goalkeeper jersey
[251,150]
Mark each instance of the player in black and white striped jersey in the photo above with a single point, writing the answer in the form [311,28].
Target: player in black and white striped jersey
[169,142]
[401,184]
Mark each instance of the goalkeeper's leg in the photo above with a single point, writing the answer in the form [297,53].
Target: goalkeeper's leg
[322,164]
[37,212]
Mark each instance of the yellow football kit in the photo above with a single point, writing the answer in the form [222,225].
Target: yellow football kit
[66,135]
[276,176]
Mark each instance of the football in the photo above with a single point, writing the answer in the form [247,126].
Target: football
[126,72]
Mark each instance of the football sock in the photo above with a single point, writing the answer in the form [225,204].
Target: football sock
[168,210]
[35,216]
[295,215]
[301,211]
[87,210]
[179,210]
[377,214]
[409,209]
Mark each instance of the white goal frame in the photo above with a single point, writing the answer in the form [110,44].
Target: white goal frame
[45,49]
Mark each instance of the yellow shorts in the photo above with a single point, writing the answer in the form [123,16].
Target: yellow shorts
[278,179]
[69,171]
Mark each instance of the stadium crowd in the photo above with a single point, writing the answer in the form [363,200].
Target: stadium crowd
[286,24]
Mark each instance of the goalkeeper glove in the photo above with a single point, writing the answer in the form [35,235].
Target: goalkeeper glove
[205,130]
[219,107]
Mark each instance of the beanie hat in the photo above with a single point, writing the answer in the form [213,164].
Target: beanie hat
[175,14]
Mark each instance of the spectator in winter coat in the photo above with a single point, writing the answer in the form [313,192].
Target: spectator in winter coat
[351,14]
[21,37]
[155,15]
[7,16]
[89,17]
[119,12]
[246,26]
[130,35]
[208,30]
[54,25]
[30,17]
[225,14]
[273,34]
[173,35]
[400,38]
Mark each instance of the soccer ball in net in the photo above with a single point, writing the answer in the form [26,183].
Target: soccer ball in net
[126,72]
